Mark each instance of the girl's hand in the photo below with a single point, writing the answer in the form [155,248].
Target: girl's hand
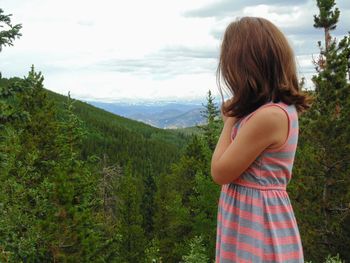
[226,103]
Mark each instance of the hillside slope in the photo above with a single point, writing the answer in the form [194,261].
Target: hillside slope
[124,140]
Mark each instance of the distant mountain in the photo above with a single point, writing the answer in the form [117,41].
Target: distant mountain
[166,115]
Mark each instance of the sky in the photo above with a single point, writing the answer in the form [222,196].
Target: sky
[154,50]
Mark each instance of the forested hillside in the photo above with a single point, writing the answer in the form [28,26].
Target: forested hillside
[79,184]
[122,139]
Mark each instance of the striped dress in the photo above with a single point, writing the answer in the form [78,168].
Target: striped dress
[255,221]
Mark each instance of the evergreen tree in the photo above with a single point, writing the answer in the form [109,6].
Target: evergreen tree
[8,110]
[48,193]
[327,18]
[10,114]
[152,253]
[186,198]
[74,226]
[174,216]
[132,245]
[213,122]
[161,217]
[197,253]
[332,108]
[204,206]
[323,161]
[25,190]
[147,202]
[40,133]
[186,201]
[10,33]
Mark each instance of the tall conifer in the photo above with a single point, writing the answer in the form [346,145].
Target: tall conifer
[212,126]
[323,160]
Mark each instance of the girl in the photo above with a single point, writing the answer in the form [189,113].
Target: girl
[254,156]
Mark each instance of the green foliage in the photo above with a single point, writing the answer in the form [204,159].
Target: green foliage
[8,101]
[204,206]
[328,17]
[122,139]
[211,115]
[49,196]
[147,203]
[129,214]
[25,190]
[186,200]
[189,130]
[330,259]
[197,253]
[9,113]
[335,259]
[152,253]
[321,186]
[83,209]
[11,31]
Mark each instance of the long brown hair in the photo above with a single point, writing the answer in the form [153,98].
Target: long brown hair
[258,65]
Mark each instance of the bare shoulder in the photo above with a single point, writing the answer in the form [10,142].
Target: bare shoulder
[273,121]
[272,114]
[270,124]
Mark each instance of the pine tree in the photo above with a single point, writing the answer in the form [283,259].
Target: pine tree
[9,113]
[323,160]
[49,194]
[42,129]
[212,126]
[327,19]
[333,103]
[147,204]
[25,189]
[152,252]
[74,228]
[132,245]
[186,203]
[197,253]
[10,33]
[204,207]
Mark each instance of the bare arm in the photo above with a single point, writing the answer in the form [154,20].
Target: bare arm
[263,129]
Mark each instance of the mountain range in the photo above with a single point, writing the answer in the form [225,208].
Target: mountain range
[165,115]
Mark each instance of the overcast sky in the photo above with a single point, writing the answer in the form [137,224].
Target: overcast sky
[111,50]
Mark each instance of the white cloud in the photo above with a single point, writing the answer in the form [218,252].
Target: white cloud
[69,40]
[113,49]
[107,86]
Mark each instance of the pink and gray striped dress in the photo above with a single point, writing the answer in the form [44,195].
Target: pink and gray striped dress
[256,222]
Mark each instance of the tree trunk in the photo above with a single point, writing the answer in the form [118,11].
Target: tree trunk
[327,37]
